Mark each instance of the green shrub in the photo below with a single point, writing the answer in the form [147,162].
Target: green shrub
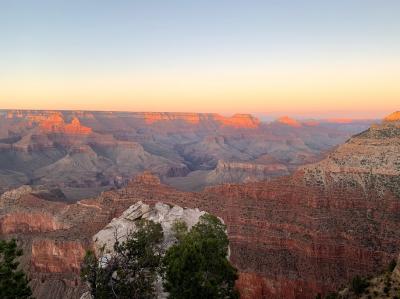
[392,265]
[359,284]
[386,290]
[131,271]
[197,266]
[13,282]
[332,296]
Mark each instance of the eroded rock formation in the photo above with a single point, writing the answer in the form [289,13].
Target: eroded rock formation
[291,237]
[159,213]
[56,124]
[83,153]
[289,121]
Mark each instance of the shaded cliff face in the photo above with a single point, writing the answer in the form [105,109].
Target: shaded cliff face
[291,237]
[369,161]
[54,237]
[225,171]
[325,224]
[385,284]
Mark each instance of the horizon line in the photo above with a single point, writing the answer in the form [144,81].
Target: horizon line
[261,115]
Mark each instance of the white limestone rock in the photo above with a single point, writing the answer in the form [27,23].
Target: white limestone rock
[159,213]
[126,223]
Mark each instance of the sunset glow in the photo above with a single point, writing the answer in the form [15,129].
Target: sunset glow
[268,57]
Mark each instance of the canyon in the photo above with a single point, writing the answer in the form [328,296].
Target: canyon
[309,230]
[82,153]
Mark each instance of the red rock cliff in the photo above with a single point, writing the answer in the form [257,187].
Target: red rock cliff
[23,222]
[55,124]
[237,120]
[51,256]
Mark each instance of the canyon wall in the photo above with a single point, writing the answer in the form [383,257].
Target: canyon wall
[291,237]
[85,152]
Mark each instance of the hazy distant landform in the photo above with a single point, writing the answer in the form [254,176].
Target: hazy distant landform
[77,154]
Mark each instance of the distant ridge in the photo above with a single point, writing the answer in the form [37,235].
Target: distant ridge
[237,120]
[395,116]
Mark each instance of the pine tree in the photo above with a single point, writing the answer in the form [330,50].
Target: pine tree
[197,266]
[13,281]
[131,270]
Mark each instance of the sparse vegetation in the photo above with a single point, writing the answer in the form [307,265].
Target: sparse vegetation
[332,296]
[383,285]
[359,284]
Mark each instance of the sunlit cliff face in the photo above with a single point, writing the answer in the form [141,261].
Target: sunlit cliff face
[29,222]
[54,122]
[237,120]
[289,121]
[395,116]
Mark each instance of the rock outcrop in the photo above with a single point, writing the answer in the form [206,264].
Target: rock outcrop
[15,194]
[159,213]
[237,172]
[285,120]
[394,117]
[239,121]
[369,161]
[55,124]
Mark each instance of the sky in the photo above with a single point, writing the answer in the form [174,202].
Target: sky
[301,58]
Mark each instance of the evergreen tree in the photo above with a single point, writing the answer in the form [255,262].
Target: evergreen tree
[197,266]
[13,281]
[129,272]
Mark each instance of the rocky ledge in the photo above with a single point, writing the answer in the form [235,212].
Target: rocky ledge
[161,213]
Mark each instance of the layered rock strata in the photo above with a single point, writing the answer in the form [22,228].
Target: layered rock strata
[291,237]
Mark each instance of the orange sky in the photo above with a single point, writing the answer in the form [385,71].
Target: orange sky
[292,89]
[267,57]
